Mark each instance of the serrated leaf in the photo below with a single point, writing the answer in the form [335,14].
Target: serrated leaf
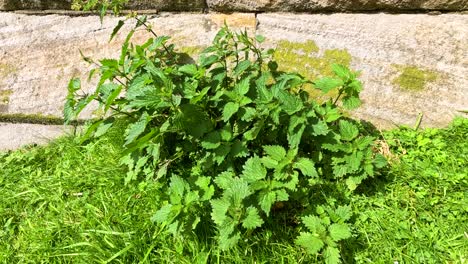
[326,84]
[306,166]
[339,232]
[204,184]
[178,186]
[348,130]
[252,133]
[363,142]
[243,86]
[224,180]
[380,161]
[212,140]
[194,120]
[103,128]
[219,210]
[259,38]
[344,213]
[276,152]
[239,149]
[282,195]
[206,62]
[269,163]
[136,129]
[311,243]
[254,170]
[74,85]
[248,113]
[116,29]
[230,109]
[314,224]
[320,128]
[253,219]
[289,102]
[331,255]
[351,103]
[352,183]
[162,215]
[190,69]
[341,71]
[267,199]
[221,152]
[241,67]
[238,191]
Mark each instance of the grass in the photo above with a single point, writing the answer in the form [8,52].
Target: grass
[67,203]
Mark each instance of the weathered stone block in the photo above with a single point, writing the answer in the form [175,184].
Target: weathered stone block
[162,5]
[335,5]
[410,63]
[40,54]
[13,136]
[34,4]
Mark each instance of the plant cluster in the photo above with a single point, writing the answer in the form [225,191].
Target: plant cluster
[232,139]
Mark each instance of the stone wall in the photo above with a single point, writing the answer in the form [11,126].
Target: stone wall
[411,63]
[259,5]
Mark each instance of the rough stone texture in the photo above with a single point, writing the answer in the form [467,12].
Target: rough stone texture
[381,45]
[336,5]
[13,136]
[162,5]
[34,4]
[40,54]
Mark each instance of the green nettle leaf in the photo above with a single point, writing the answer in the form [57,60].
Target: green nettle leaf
[344,213]
[341,71]
[332,255]
[212,140]
[311,243]
[162,215]
[252,133]
[348,130]
[116,29]
[241,67]
[194,120]
[267,199]
[136,129]
[326,84]
[239,149]
[230,109]
[190,69]
[380,161]
[339,232]
[314,224]
[351,103]
[219,210]
[224,179]
[243,86]
[306,166]
[253,219]
[103,128]
[254,170]
[277,153]
[320,128]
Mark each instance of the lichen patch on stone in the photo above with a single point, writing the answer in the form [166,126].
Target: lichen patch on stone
[5,96]
[413,78]
[305,58]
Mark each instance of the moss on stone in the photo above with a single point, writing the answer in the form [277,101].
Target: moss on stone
[5,96]
[35,119]
[412,78]
[191,50]
[6,70]
[304,58]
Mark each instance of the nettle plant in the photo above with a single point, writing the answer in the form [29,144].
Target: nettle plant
[231,138]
